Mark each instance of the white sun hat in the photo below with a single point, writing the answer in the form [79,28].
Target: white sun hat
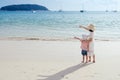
[91,27]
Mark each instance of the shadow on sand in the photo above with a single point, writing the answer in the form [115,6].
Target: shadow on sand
[61,74]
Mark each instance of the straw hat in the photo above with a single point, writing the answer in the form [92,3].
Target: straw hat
[91,27]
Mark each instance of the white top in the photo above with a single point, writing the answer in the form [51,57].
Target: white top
[91,44]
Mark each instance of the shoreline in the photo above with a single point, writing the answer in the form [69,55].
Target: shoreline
[48,39]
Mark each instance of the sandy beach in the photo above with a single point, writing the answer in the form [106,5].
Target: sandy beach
[57,60]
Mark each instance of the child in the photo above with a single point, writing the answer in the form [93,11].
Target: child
[84,47]
[91,29]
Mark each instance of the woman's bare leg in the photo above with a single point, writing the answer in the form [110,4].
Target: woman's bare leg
[93,58]
[89,58]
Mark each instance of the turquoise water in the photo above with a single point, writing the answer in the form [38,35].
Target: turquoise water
[58,24]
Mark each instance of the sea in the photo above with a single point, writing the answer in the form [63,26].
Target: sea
[55,25]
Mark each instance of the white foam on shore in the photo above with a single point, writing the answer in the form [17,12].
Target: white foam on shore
[49,39]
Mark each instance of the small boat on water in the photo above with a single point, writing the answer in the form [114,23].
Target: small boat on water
[60,10]
[114,10]
[33,11]
[106,11]
[81,11]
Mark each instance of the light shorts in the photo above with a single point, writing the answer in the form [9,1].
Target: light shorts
[90,53]
[91,49]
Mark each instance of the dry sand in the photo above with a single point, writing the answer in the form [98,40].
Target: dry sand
[57,60]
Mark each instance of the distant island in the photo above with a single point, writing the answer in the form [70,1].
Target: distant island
[24,7]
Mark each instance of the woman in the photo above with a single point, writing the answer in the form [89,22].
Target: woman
[91,29]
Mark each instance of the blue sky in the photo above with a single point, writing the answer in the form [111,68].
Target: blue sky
[70,5]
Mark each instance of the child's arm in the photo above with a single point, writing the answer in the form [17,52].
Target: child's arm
[78,38]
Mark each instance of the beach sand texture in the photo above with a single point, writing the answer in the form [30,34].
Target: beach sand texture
[57,60]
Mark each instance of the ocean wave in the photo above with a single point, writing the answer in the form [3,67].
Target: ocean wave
[37,39]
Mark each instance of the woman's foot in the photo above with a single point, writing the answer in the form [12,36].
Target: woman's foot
[93,61]
[89,60]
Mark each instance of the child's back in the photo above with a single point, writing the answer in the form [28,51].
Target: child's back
[84,45]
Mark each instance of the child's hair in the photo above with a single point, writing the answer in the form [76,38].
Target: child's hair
[84,37]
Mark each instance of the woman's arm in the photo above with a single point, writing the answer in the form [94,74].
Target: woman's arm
[83,27]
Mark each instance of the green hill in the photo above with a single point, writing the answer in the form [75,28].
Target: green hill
[23,7]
